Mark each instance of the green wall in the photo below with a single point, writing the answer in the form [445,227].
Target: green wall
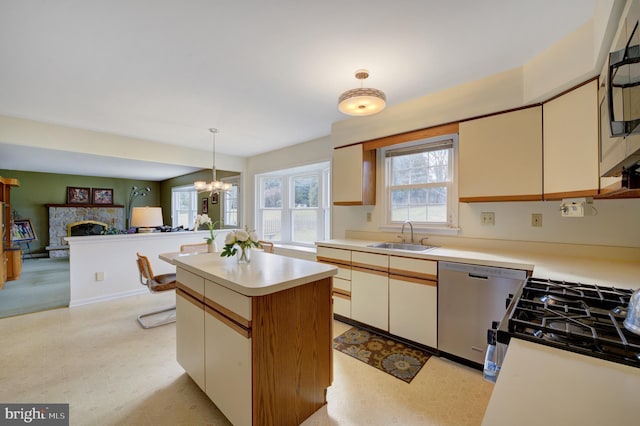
[28,201]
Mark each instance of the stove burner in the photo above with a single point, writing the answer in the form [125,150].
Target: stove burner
[582,318]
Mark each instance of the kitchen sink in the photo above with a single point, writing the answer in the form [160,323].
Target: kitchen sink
[401,246]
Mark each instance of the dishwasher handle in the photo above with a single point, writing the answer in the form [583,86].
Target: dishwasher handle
[480,277]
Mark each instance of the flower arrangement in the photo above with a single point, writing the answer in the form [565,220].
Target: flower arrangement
[203,219]
[242,238]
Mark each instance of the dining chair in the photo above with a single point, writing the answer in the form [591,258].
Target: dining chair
[193,248]
[156,284]
[267,246]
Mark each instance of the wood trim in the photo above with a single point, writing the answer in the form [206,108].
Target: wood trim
[342,263]
[342,293]
[347,203]
[369,177]
[497,198]
[369,269]
[186,296]
[191,292]
[413,135]
[412,274]
[570,194]
[608,194]
[245,332]
[413,280]
[500,112]
[106,206]
[9,181]
[240,320]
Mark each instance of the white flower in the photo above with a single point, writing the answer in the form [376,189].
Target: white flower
[230,238]
[242,235]
[253,236]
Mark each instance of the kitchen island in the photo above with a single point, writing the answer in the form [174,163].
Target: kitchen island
[256,337]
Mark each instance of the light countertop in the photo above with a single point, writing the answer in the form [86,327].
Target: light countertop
[543,385]
[267,273]
[604,272]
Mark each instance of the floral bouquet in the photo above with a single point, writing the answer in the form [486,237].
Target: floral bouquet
[242,238]
[203,219]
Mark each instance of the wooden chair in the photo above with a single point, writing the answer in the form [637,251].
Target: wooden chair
[267,246]
[194,248]
[156,284]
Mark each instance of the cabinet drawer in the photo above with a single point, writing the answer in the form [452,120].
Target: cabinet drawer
[379,262]
[344,286]
[333,255]
[419,268]
[344,272]
[193,282]
[228,302]
[342,306]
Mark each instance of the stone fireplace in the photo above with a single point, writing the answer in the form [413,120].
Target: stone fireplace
[95,218]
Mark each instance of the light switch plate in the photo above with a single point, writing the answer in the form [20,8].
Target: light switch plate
[536,219]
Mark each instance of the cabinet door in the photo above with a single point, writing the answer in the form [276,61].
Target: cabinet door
[500,157]
[370,297]
[413,309]
[353,172]
[571,144]
[228,367]
[190,337]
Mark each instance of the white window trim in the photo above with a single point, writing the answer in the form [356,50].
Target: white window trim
[451,227]
[236,181]
[183,188]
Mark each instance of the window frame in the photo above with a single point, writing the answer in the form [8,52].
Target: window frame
[234,181]
[194,205]
[288,209]
[451,225]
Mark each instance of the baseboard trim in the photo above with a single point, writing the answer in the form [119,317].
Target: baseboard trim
[107,297]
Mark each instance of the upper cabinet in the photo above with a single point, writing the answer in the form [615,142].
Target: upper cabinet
[500,157]
[571,144]
[354,176]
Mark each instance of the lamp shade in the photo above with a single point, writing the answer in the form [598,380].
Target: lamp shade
[146,217]
[363,101]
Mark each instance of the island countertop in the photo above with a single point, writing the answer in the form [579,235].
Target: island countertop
[267,273]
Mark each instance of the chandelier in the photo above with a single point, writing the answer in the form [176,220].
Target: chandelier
[362,101]
[215,186]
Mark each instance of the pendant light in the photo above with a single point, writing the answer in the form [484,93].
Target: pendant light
[362,101]
[215,186]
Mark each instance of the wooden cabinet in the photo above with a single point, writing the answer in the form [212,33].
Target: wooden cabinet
[354,176]
[341,292]
[413,300]
[190,325]
[370,289]
[571,167]
[500,157]
[10,257]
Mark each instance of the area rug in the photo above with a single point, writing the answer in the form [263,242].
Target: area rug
[390,356]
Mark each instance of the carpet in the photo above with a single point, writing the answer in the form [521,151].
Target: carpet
[383,353]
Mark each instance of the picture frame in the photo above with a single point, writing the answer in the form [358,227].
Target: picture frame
[102,196]
[22,231]
[205,205]
[214,199]
[78,195]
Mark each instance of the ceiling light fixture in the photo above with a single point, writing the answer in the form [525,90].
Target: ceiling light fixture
[215,186]
[362,101]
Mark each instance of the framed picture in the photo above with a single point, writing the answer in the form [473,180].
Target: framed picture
[22,231]
[76,195]
[101,196]
[205,205]
[214,198]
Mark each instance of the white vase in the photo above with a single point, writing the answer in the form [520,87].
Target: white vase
[211,247]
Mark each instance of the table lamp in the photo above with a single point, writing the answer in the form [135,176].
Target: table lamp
[146,218]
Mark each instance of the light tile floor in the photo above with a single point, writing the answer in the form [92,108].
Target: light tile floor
[112,372]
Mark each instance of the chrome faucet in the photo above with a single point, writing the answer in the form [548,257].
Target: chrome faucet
[402,231]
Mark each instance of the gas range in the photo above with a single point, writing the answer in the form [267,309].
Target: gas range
[582,318]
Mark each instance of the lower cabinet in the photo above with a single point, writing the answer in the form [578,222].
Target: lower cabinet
[190,336]
[413,310]
[228,362]
[370,298]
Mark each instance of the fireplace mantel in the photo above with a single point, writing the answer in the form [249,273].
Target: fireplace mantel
[105,206]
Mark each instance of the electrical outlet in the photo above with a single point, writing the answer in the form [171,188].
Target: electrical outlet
[368,216]
[99,276]
[536,219]
[488,218]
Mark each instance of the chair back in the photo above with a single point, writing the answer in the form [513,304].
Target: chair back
[144,267]
[193,248]
[267,246]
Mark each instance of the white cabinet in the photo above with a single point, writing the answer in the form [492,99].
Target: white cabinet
[341,292]
[413,300]
[354,176]
[500,157]
[370,289]
[190,325]
[571,167]
[228,366]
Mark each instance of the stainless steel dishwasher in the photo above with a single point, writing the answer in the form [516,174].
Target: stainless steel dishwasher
[470,297]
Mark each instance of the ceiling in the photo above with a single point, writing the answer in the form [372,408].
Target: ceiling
[267,74]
